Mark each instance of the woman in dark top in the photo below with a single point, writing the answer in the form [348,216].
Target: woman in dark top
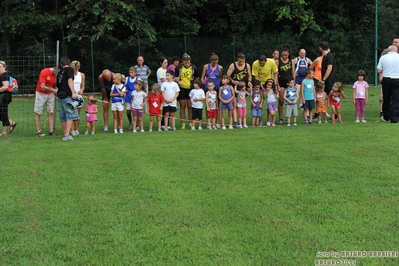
[285,74]
[5,99]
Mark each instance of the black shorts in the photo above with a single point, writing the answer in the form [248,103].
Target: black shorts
[283,82]
[168,109]
[309,104]
[197,113]
[184,94]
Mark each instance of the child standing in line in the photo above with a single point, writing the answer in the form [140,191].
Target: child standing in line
[211,105]
[138,102]
[91,115]
[256,103]
[241,92]
[321,102]
[129,89]
[226,96]
[155,102]
[118,94]
[197,96]
[308,96]
[291,97]
[335,96]
[360,95]
[170,92]
[272,95]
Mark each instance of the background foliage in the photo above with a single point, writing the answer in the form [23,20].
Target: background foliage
[253,26]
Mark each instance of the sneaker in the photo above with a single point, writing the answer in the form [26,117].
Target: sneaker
[183,126]
[306,122]
[199,128]
[209,127]
[192,128]
[93,133]
[105,128]
[174,128]
[328,115]
[381,114]
[65,138]
[162,127]
[137,128]
[150,130]
[383,119]
[159,130]
[235,125]
[75,132]
[357,121]
[121,131]
[310,122]
[268,124]
[301,107]
[169,127]
[363,121]
[51,133]
[332,121]
[245,126]
[86,133]
[231,127]
[130,126]
[166,129]
[280,121]
[326,122]
[288,125]
[115,131]
[224,127]
[142,130]
[217,126]
[240,126]
[319,122]
[40,134]
[273,125]
[294,124]
[134,131]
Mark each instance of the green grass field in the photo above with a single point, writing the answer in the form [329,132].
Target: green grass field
[257,196]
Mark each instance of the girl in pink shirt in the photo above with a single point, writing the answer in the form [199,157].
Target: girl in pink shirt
[360,96]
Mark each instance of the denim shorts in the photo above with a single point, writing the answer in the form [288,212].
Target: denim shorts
[64,114]
[256,112]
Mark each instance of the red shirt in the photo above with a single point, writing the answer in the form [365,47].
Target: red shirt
[48,79]
[155,102]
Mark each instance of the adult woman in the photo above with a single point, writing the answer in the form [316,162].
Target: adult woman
[285,73]
[175,63]
[79,83]
[5,99]
[213,72]
[161,72]
[316,66]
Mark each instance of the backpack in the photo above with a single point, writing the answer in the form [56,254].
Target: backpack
[12,85]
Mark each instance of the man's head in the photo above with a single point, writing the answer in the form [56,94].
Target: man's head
[302,53]
[392,48]
[65,61]
[323,46]
[262,60]
[396,42]
[106,74]
[140,60]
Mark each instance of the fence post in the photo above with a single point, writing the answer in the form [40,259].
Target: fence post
[92,63]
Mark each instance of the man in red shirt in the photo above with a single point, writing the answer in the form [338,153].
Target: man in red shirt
[45,94]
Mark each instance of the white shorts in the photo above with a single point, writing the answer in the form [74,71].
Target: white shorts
[117,107]
[41,100]
[128,106]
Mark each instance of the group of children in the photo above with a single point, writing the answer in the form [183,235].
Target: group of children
[161,102]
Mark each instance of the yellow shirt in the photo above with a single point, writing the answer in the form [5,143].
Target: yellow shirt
[186,75]
[266,72]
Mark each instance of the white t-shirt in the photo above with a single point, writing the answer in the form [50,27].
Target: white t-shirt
[138,99]
[161,73]
[169,90]
[197,94]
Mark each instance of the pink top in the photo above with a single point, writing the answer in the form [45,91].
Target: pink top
[91,108]
[360,89]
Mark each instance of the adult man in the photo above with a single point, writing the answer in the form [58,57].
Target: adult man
[388,68]
[66,94]
[276,56]
[239,71]
[143,71]
[327,67]
[45,95]
[300,64]
[184,76]
[105,80]
[264,69]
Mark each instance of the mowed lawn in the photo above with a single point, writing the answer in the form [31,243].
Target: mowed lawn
[256,196]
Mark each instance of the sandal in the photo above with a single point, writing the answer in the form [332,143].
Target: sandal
[12,127]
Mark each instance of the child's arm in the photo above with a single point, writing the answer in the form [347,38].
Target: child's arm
[174,97]
[144,102]
[112,94]
[220,95]
[367,95]
[343,95]
[354,95]
[95,110]
[232,96]
[250,98]
[301,89]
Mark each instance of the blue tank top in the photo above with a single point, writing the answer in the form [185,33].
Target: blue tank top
[117,99]
[308,89]
[290,94]
[227,93]
[108,83]
[300,68]
[130,88]
[213,75]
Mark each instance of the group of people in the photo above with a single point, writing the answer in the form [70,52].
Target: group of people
[280,81]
